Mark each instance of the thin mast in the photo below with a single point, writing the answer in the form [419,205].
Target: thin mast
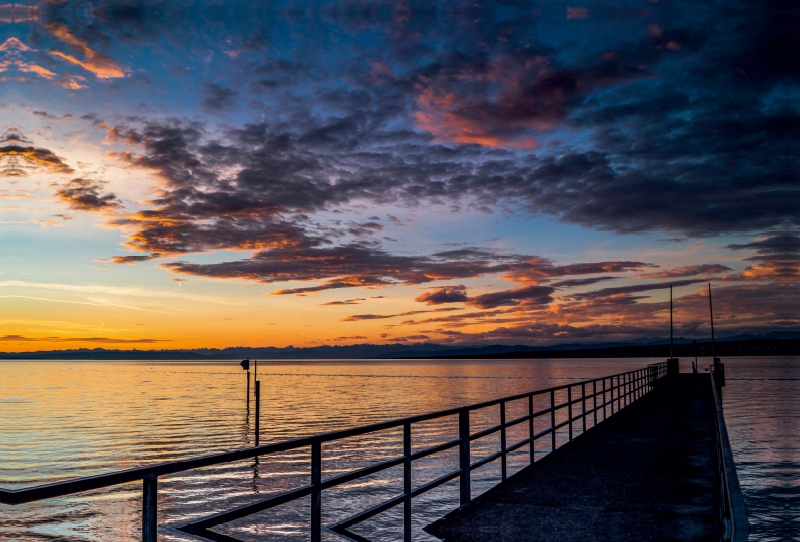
[711,311]
[670,321]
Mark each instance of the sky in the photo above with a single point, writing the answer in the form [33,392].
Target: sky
[203,174]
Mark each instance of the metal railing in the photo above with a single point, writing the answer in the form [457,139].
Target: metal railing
[732,512]
[594,399]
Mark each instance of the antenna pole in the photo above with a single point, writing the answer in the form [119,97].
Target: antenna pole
[670,321]
[711,311]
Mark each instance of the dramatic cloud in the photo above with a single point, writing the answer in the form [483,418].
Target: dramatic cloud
[301,139]
[532,295]
[444,294]
[86,195]
[637,288]
[217,97]
[777,257]
[96,340]
[356,301]
[359,317]
[688,271]
[19,159]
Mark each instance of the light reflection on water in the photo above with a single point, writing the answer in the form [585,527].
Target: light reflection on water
[60,420]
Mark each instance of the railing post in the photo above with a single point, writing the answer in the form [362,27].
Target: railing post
[604,398]
[316,494]
[569,409]
[530,428]
[583,404]
[150,508]
[503,465]
[407,482]
[463,455]
[553,418]
[594,400]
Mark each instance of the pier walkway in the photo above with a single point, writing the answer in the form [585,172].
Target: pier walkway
[647,473]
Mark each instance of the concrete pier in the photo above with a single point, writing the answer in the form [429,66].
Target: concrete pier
[647,473]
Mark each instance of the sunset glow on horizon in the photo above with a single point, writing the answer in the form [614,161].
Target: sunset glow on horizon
[195,175]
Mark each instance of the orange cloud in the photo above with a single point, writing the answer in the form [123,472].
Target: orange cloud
[13,44]
[34,68]
[100,65]
[440,116]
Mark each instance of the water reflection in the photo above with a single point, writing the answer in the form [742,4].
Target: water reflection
[67,419]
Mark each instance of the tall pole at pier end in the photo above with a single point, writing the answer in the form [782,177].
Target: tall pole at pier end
[719,368]
[711,311]
[672,362]
[670,321]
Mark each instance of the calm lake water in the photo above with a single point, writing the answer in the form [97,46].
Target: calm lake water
[60,420]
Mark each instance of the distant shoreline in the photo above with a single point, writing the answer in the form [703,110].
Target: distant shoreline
[752,347]
[723,348]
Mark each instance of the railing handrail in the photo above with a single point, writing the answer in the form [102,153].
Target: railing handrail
[737,528]
[624,388]
[87,483]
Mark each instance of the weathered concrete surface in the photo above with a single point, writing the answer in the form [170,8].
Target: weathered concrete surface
[647,473]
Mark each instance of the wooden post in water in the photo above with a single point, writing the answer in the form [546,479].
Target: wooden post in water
[245,363]
[258,411]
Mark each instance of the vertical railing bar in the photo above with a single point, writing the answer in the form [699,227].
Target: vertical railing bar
[407,482]
[316,494]
[464,461]
[553,418]
[503,465]
[641,383]
[569,409]
[594,399]
[150,508]
[530,428]
[583,404]
[625,390]
[604,399]
[611,392]
[626,383]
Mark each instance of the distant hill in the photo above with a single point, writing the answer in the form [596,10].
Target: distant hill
[747,347]
[773,343]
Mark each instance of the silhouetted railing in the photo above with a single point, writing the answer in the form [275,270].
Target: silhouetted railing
[594,399]
[732,514]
